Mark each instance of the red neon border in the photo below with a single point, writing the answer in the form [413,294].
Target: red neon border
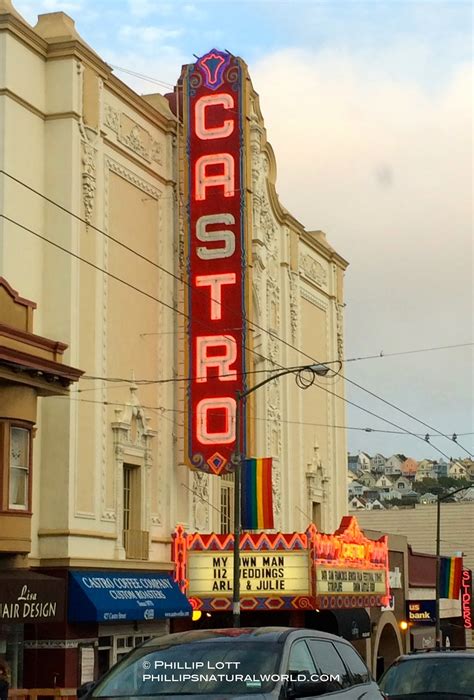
[325,550]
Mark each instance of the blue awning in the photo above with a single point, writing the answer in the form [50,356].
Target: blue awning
[118,596]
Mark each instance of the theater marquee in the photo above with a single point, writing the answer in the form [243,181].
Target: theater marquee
[281,571]
[262,573]
[215,190]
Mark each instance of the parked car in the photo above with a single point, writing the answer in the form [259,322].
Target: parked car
[259,663]
[442,675]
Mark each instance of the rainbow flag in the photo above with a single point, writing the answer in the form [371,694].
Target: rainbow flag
[257,494]
[450,573]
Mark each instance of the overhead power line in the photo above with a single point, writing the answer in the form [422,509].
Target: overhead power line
[273,335]
[160,409]
[250,322]
[156,299]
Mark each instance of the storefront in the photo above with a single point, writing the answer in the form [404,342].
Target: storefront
[310,579]
[108,613]
[29,602]
[421,607]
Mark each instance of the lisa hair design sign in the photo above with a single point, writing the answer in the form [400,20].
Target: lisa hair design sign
[217,300]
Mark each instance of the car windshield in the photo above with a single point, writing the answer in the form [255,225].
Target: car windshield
[436,674]
[203,668]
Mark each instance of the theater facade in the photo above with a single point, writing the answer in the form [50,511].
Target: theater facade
[149,232]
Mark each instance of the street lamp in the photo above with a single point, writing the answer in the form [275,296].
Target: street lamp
[305,376]
[438,560]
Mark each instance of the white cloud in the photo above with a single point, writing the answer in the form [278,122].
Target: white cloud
[384,166]
[141,8]
[148,34]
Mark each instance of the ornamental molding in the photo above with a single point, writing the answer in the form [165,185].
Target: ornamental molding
[58,643]
[130,428]
[294,306]
[276,489]
[111,118]
[313,270]
[133,136]
[89,140]
[200,503]
[313,299]
[340,330]
[132,177]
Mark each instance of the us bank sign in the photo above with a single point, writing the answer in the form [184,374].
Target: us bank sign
[214,98]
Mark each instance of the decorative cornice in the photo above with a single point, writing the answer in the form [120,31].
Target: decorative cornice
[6,92]
[131,177]
[129,155]
[306,294]
[105,564]
[77,533]
[24,33]
[324,250]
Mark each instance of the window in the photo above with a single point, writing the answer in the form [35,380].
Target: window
[19,476]
[329,662]
[135,540]
[300,659]
[354,663]
[316,513]
[227,503]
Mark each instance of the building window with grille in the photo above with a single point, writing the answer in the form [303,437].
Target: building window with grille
[227,503]
[19,466]
[135,540]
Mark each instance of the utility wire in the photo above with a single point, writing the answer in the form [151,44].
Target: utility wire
[325,362]
[255,325]
[161,409]
[78,257]
[146,78]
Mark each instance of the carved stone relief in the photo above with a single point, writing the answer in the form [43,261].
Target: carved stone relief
[200,490]
[276,489]
[313,270]
[133,135]
[89,140]
[340,331]
[294,306]
[132,436]
[316,476]
[111,118]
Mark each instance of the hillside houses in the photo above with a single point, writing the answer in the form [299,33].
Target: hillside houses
[379,482]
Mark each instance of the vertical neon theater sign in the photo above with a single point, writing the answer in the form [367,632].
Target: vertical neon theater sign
[213,90]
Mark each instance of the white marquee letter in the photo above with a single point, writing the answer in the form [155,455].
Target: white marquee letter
[205,437]
[213,132]
[228,237]
[226,179]
[222,361]
[215,282]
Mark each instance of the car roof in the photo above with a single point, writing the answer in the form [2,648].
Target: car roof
[244,634]
[439,653]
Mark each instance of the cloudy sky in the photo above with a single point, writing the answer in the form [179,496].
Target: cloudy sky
[368,107]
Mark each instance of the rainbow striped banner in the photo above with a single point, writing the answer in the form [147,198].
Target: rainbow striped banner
[257,494]
[450,574]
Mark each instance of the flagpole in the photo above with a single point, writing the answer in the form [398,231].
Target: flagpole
[304,382]
[438,571]
[240,397]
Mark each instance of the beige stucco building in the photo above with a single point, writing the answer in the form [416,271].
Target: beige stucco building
[91,202]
